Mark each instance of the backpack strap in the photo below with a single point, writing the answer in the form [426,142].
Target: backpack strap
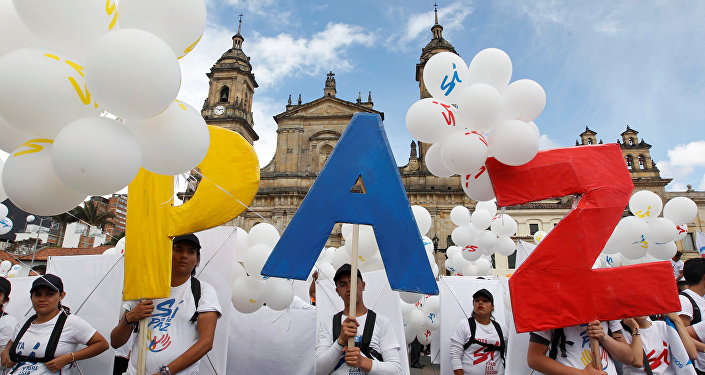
[697,317]
[488,347]
[502,347]
[367,337]
[473,329]
[558,341]
[647,365]
[337,325]
[51,345]
[196,291]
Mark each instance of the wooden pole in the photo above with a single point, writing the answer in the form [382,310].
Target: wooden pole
[596,355]
[143,337]
[353,279]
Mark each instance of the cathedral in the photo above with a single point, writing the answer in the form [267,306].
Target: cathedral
[308,132]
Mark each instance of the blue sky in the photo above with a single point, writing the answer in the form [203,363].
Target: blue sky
[603,64]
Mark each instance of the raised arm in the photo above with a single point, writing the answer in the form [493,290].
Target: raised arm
[637,349]
[688,342]
[122,331]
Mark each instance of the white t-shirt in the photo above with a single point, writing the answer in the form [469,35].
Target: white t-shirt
[658,348]
[687,310]
[170,331]
[383,339]
[577,346]
[475,360]
[677,268]
[34,341]
[8,324]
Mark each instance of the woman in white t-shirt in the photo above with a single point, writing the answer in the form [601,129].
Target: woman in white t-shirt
[662,345]
[7,322]
[484,353]
[47,342]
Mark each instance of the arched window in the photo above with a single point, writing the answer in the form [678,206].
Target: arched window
[642,162]
[224,94]
[324,153]
[589,141]
[631,141]
[630,162]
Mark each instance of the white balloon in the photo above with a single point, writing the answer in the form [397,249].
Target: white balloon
[5,225]
[346,230]
[444,74]
[406,309]
[30,218]
[32,185]
[180,127]
[12,137]
[31,76]
[5,266]
[464,152]
[634,251]
[483,266]
[463,236]
[434,268]
[409,333]
[630,229]
[255,259]
[480,107]
[452,250]
[423,218]
[427,245]
[488,205]
[645,204]
[469,269]
[534,128]
[487,241]
[3,211]
[133,73]
[539,236]
[424,335]
[458,261]
[434,161]
[663,251]
[505,246]
[327,254]
[341,256]
[246,294]
[13,273]
[371,264]
[110,251]
[661,230]
[263,233]
[367,242]
[326,271]
[680,210]
[481,219]
[431,321]
[523,100]
[513,142]
[277,293]
[180,23]
[239,270]
[432,304]
[504,225]
[471,252]
[410,297]
[13,33]
[68,25]
[430,120]
[681,232]
[87,148]
[3,196]
[460,216]
[477,185]
[613,260]
[449,265]
[492,66]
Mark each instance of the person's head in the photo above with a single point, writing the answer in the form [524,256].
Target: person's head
[342,283]
[694,270]
[5,288]
[677,257]
[186,254]
[46,293]
[482,303]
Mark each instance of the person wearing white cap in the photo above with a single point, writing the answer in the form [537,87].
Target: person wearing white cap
[48,341]
[181,326]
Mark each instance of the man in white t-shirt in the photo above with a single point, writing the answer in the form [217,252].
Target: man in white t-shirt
[693,303]
[570,351]
[181,330]
[374,353]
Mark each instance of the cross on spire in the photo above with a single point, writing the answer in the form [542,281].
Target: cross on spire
[435,11]
[239,26]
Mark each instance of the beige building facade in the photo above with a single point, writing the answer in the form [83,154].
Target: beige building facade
[307,132]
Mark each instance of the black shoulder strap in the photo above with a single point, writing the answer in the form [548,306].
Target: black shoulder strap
[488,347]
[473,329]
[647,365]
[367,336]
[502,348]
[337,324]
[696,309]
[557,340]
[51,345]
[196,291]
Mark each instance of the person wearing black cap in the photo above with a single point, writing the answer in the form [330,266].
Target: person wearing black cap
[181,326]
[48,340]
[8,323]
[479,344]
[376,348]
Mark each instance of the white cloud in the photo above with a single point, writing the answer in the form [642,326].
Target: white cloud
[546,143]
[283,55]
[263,108]
[419,24]
[682,161]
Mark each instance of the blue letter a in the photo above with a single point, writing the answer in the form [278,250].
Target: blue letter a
[362,151]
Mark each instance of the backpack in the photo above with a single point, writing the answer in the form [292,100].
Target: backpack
[364,344]
[647,365]
[196,291]
[696,310]
[51,345]
[558,341]
[488,347]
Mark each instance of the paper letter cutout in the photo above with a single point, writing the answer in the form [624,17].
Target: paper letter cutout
[231,163]
[556,287]
[362,151]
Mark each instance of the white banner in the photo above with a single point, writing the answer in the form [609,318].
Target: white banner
[378,296]
[700,242]
[456,305]
[518,342]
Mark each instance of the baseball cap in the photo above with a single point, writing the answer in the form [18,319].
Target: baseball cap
[190,238]
[483,292]
[345,269]
[5,286]
[52,281]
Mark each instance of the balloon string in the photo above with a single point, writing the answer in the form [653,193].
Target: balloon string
[216,252]
[455,297]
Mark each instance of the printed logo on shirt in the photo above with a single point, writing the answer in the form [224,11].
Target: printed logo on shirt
[656,360]
[159,324]
[157,344]
[586,356]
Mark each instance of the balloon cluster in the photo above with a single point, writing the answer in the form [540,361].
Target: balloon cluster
[477,237]
[420,314]
[251,290]
[86,101]
[645,236]
[475,113]
[8,270]
[5,222]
